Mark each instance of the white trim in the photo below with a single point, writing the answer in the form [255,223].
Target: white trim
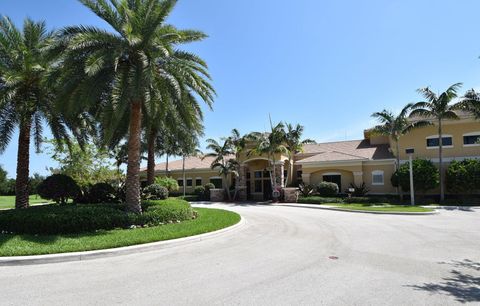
[358,173]
[472,144]
[378,172]
[472,134]
[438,137]
[215,177]
[331,173]
[445,159]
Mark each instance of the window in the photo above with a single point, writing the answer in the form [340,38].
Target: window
[180,182]
[258,186]
[285,173]
[248,175]
[189,182]
[217,182]
[434,141]
[299,174]
[377,177]
[471,139]
[258,174]
[266,174]
[198,181]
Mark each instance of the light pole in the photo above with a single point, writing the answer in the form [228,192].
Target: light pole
[412,191]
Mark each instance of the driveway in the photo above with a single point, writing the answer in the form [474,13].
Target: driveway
[282,256]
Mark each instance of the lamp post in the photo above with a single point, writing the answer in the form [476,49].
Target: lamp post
[410,158]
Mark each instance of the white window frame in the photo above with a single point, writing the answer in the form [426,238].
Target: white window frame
[471,134]
[378,172]
[437,137]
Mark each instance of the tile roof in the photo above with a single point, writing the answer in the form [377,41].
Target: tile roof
[321,152]
[191,163]
[345,150]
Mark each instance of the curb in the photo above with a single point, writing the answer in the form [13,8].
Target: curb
[360,211]
[88,255]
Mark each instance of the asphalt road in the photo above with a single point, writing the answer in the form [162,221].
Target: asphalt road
[282,256]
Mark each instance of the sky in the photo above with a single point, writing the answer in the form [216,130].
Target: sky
[327,65]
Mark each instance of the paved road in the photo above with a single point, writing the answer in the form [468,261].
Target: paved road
[282,256]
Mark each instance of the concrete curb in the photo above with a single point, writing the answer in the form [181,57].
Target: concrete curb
[88,255]
[314,206]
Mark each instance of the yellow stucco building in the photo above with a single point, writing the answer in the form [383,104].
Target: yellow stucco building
[371,160]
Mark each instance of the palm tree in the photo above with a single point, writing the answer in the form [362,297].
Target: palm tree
[123,75]
[270,144]
[26,100]
[439,108]
[470,102]
[223,161]
[396,127]
[293,136]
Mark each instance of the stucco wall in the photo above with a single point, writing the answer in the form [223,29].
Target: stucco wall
[417,139]
[205,176]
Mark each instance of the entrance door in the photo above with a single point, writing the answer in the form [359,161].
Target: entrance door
[267,190]
[337,179]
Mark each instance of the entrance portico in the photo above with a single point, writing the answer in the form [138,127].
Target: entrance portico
[255,182]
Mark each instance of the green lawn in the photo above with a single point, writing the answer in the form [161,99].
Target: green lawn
[9,201]
[381,207]
[208,220]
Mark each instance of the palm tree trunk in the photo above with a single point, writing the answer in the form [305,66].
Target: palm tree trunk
[225,184]
[23,163]
[184,178]
[440,159]
[133,166]
[399,188]
[151,157]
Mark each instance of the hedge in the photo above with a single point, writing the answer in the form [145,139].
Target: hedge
[70,219]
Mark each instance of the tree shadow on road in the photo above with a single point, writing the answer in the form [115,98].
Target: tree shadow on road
[460,284]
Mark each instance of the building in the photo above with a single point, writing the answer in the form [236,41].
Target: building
[370,160]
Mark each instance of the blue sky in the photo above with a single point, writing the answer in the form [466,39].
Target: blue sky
[325,64]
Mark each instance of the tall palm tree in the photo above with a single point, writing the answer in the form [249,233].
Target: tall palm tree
[439,108]
[395,127]
[122,75]
[223,161]
[26,100]
[294,142]
[270,144]
[470,102]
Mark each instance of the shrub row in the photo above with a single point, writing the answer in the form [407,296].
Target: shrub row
[71,219]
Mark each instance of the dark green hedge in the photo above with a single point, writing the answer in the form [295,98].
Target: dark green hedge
[70,219]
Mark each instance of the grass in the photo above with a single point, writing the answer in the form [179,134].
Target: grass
[381,207]
[9,201]
[208,220]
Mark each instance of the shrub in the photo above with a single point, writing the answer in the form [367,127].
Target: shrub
[102,193]
[425,176]
[463,177]
[208,186]
[199,191]
[359,191]
[72,219]
[364,200]
[327,189]
[306,190]
[59,188]
[155,192]
[167,182]
[319,200]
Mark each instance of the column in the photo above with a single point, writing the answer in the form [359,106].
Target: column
[358,178]
[306,178]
